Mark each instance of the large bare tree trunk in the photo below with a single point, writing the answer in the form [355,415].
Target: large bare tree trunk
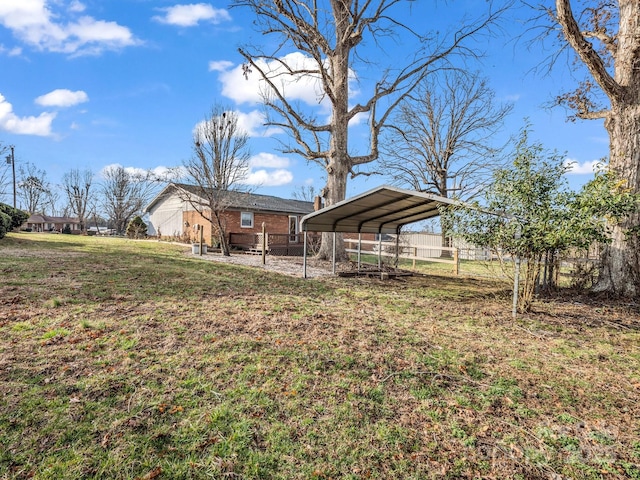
[333,193]
[339,162]
[620,270]
[328,34]
[598,46]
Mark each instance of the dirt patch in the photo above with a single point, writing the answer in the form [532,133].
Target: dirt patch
[292,266]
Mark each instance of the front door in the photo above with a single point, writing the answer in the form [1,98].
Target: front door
[293,229]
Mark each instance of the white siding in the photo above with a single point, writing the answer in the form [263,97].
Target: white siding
[166,216]
[421,239]
[424,241]
[427,244]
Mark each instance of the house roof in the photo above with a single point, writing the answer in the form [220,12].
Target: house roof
[384,209]
[243,200]
[39,218]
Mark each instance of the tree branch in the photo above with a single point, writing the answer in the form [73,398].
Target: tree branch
[593,115]
[608,41]
[585,51]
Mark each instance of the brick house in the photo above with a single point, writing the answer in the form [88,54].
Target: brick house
[172,216]
[45,223]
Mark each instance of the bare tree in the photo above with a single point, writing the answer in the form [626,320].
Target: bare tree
[441,140]
[92,214]
[51,203]
[603,36]
[328,33]
[218,166]
[77,187]
[33,187]
[125,192]
[306,193]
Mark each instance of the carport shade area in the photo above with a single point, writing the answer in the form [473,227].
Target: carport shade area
[384,209]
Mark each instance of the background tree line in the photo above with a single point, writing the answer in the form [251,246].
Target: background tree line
[109,200]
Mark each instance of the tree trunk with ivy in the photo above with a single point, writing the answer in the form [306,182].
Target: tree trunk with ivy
[620,269]
[600,41]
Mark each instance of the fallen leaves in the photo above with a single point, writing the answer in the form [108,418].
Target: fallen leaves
[156,472]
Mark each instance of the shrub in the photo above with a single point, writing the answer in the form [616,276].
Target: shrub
[539,217]
[10,218]
[5,221]
[137,228]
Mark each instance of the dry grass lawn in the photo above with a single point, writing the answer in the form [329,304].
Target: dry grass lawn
[136,360]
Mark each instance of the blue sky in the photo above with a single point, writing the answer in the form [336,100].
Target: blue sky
[91,83]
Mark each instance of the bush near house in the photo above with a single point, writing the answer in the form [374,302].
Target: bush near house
[541,218]
[10,218]
[137,228]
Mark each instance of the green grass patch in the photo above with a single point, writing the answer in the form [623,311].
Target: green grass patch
[131,359]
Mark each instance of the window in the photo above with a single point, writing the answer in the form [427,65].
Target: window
[246,219]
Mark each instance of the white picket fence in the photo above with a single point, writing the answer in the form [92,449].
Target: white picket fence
[419,247]
[430,245]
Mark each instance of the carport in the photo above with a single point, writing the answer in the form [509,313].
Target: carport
[384,209]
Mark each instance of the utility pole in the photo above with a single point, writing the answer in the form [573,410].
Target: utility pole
[12,160]
[13,168]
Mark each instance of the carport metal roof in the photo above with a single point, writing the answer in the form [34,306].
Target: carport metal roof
[384,209]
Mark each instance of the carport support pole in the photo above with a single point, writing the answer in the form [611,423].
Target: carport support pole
[397,248]
[359,249]
[264,243]
[304,256]
[380,251]
[334,252]
[456,262]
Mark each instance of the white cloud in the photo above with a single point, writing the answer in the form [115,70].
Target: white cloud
[76,6]
[268,170]
[11,52]
[268,160]
[35,23]
[62,98]
[248,89]
[192,14]
[254,124]
[264,178]
[360,119]
[160,172]
[220,65]
[577,168]
[10,122]
[167,173]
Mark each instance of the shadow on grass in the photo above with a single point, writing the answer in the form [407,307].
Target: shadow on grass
[37,240]
[87,269]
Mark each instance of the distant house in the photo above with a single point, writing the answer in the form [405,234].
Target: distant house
[45,223]
[171,216]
